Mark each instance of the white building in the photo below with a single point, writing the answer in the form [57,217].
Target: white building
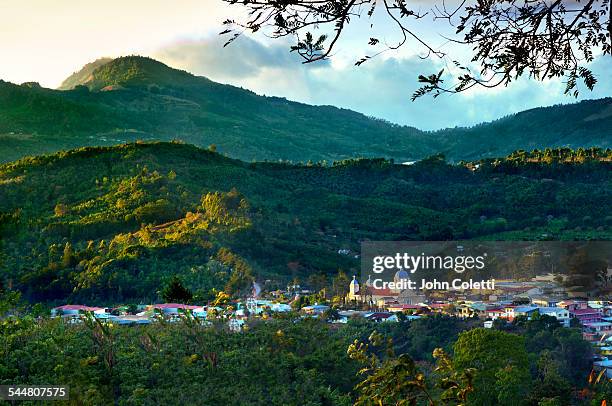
[562,315]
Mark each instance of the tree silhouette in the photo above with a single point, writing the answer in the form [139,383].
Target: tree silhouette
[508,38]
[176,292]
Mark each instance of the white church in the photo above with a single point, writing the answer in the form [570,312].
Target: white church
[379,297]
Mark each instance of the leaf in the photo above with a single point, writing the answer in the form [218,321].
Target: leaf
[362,60]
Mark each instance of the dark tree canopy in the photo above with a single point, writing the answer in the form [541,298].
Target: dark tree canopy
[508,38]
[176,292]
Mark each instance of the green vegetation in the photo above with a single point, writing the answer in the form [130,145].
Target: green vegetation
[305,362]
[136,98]
[112,224]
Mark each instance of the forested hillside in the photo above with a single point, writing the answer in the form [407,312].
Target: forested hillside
[107,224]
[137,98]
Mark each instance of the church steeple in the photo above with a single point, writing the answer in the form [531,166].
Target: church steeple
[354,287]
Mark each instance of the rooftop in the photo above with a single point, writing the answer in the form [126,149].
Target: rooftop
[78,307]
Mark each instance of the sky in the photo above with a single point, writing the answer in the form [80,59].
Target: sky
[46,41]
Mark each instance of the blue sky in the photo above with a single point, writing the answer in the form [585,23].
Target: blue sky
[46,41]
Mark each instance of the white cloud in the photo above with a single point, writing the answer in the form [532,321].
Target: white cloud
[381,87]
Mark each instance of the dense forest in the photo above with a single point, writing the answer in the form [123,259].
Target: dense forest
[130,98]
[112,224]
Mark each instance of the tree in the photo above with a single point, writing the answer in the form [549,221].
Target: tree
[9,299]
[241,278]
[317,282]
[60,210]
[502,364]
[331,314]
[507,38]
[227,210]
[68,256]
[396,380]
[340,285]
[176,292]
[549,383]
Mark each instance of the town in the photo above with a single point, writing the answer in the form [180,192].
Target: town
[494,304]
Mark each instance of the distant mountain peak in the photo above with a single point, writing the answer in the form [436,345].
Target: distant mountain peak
[126,71]
[83,75]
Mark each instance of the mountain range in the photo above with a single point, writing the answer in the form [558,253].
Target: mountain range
[131,98]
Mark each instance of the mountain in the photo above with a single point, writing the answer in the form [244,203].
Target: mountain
[102,224]
[83,75]
[132,98]
[133,71]
[572,125]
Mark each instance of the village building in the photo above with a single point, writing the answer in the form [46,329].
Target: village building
[379,297]
[586,316]
[545,301]
[76,310]
[173,309]
[562,315]
[315,309]
[605,365]
[520,311]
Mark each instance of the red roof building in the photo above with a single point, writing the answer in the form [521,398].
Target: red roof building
[586,316]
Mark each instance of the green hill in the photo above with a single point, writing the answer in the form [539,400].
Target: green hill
[132,98]
[109,224]
[132,71]
[588,123]
[83,75]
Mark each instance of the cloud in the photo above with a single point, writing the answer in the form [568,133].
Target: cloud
[381,87]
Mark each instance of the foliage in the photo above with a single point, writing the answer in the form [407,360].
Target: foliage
[133,214]
[288,361]
[396,380]
[507,38]
[175,292]
[501,362]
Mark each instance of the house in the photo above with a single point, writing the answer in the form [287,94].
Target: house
[315,309]
[526,311]
[606,365]
[381,316]
[473,309]
[562,315]
[396,307]
[200,312]
[132,320]
[236,325]
[586,315]
[482,310]
[75,310]
[573,304]
[496,312]
[549,277]
[598,327]
[257,306]
[411,297]
[440,307]
[173,309]
[544,301]
[533,292]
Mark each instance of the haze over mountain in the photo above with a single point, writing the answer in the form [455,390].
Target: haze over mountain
[129,98]
[83,75]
